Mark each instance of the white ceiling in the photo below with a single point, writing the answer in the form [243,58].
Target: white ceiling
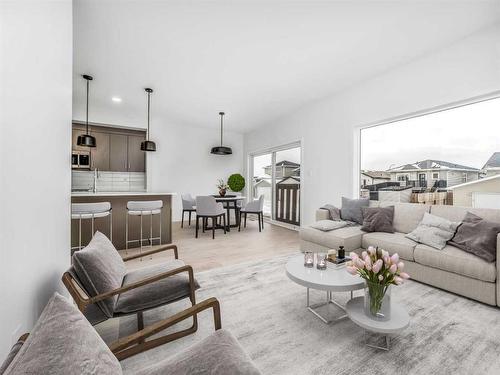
[256,60]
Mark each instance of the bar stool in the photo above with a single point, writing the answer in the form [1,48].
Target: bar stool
[143,208]
[90,211]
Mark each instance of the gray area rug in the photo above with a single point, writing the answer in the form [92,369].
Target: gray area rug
[448,334]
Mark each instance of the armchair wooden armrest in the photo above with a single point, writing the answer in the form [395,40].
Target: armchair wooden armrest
[83,301]
[137,338]
[155,251]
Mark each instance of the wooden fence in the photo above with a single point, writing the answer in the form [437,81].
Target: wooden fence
[288,203]
[439,198]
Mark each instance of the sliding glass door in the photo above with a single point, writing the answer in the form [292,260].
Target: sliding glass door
[276,175]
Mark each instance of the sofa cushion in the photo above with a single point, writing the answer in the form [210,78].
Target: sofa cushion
[454,260]
[477,236]
[349,237]
[434,231]
[391,242]
[100,269]
[328,225]
[220,353]
[351,209]
[407,216]
[155,294]
[378,219]
[457,213]
[63,342]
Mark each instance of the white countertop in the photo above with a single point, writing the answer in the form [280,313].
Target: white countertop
[117,193]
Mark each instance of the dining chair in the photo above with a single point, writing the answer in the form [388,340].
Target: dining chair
[254,207]
[188,205]
[207,207]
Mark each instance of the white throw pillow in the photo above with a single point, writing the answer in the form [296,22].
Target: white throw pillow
[328,225]
[434,231]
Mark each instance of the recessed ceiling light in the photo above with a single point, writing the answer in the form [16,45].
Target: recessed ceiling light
[116,99]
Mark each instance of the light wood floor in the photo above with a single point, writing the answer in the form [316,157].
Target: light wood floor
[204,253]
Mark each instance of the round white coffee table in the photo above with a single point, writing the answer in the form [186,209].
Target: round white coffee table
[329,280]
[398,322]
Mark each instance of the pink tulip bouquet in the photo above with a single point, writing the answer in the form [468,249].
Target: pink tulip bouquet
[380,270]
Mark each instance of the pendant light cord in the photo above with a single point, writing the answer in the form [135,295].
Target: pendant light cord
[87,114]
[221,127]
[149,99]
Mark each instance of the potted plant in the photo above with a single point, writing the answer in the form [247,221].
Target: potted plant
[222,186]
[236,182]
[380,270]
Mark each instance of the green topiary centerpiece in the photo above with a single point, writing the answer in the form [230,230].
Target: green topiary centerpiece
[236,182]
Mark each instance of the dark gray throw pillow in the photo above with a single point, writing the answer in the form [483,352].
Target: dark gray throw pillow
[378,219]
[351,209]
[477,236]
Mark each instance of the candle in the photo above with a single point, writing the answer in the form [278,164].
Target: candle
[321,261]
[308,259]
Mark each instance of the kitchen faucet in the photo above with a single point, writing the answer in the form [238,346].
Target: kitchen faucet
[96,176]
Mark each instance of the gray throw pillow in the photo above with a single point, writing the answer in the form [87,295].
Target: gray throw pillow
[434,231]
[477,236]
[351,209]
[100,269]
[378,219]
[328,225]
[63,342]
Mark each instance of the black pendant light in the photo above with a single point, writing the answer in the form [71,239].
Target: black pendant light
[148,145]
[221,150]
[86,139]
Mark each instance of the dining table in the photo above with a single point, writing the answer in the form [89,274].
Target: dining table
[230,203]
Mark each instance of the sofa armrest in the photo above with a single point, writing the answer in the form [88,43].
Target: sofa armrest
[322,214]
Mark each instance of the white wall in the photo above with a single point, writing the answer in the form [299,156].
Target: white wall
[183,163]
[468,68]
[35,127]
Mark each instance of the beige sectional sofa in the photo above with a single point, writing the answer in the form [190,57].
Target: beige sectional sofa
[451,268]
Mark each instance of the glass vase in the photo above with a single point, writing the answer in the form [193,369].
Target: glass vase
[378,301]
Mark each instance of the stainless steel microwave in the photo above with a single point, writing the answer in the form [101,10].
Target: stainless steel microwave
[80,160]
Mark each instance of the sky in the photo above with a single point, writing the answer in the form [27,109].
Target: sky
[467,135]
[261,161]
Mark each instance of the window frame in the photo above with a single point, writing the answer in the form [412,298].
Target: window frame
[357,136]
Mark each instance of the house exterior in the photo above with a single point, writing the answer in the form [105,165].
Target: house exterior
[284,169]
[433,173]
[482,193]
[374,177]
[492,166]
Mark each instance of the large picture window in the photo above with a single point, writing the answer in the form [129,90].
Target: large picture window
[448,157]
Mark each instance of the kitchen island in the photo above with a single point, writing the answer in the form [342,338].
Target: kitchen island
[118,202]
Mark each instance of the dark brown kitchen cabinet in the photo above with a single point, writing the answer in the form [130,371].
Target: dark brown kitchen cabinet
[136,157]
[118,145]
[117,150]
[99,155]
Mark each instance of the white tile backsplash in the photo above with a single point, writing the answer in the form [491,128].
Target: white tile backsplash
[109,181]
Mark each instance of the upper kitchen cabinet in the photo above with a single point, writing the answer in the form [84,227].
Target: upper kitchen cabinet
[99,155]
[136,157]
[117,150]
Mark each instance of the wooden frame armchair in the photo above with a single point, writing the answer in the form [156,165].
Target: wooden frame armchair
[88,304]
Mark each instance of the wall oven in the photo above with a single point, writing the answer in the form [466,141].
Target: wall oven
[80,160]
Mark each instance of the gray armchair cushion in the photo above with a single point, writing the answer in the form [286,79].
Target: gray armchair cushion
[477,236]
[378,219]
[220,353]
[155,294]
[351,209]
[63,342]
[100,269]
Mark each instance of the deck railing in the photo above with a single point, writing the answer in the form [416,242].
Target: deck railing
[288,203]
